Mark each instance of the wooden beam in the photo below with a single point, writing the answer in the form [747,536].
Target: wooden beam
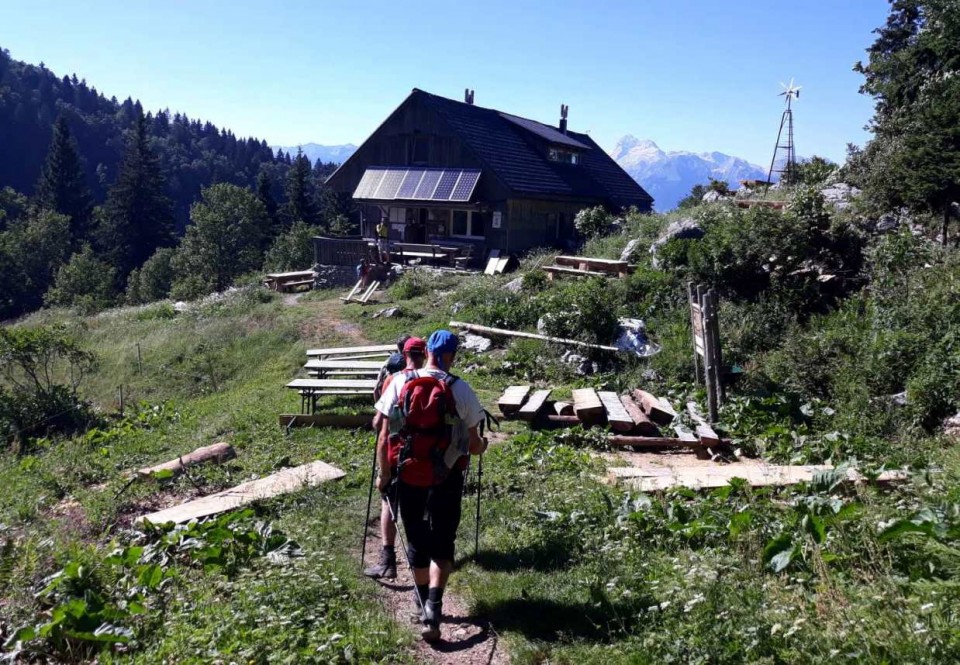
[512,399]
[348,420]
[707,436]
[650,441]
[319,384]
[659,411]
[550,421]
[587,405]
[216,453]
[642,424]
[563,408]
[282,482]
[617,416]
[533,406]
[348,350]
[484,330]
[684,433]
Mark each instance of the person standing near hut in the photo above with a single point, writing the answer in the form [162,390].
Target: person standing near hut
[430,425]
[383,246]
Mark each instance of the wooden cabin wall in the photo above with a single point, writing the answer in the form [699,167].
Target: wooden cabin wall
[531,223]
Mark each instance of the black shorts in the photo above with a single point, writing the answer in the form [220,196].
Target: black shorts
[431,516]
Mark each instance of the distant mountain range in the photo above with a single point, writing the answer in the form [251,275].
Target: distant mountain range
[667,176]
[325,153]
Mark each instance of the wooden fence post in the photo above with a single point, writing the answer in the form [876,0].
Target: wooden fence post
[706,307]
[695,322]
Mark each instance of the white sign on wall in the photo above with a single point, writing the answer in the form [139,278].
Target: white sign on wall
[497,219]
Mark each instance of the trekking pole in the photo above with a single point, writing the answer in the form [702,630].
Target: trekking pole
[476,531]
[366,523]
[403,545]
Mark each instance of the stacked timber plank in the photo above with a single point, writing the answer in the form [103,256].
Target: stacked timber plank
[635,419]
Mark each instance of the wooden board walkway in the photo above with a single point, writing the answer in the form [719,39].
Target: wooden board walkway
[651,479]
[282,482]
[617,416]
[534,405]
[587,405]
[512,399]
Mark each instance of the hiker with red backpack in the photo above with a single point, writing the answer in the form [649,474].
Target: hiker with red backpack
[431,426]
[414,353]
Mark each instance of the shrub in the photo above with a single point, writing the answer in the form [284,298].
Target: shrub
[153,280]
[292,250]
[590,222]
[34,403]
[583,309]
[85,282]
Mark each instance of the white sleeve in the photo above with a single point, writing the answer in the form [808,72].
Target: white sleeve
[468,404]
[390,396]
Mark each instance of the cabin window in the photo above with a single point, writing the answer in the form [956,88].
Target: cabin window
[564,156]
[467,224]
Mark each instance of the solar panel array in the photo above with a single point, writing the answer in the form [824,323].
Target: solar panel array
[391,184]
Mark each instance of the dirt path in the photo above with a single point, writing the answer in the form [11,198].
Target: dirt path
[466,640]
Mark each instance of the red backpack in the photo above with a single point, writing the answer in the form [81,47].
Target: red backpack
[428,409]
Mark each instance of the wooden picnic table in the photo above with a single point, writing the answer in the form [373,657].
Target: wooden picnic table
[403,250]
[353,352]
[311,389]
[278,281]
[590,264]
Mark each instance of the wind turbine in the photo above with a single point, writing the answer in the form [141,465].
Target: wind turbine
[785,149]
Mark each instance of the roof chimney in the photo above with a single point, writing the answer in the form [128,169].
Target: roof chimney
[468,96]
[563,118]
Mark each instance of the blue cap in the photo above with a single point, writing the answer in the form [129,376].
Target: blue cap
[442,341]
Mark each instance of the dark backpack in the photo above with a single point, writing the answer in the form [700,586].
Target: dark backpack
[429,411]
[395,363]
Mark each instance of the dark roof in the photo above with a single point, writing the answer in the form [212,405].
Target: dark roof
[504,144]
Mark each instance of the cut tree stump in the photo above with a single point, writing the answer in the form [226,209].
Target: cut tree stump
[659,410]
[512,399]
[617,416]
[587,405]
[216,453]
[282,482]
[642,424]
[563,408]
[533,406]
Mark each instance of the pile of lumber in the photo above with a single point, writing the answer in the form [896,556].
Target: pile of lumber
[361,294]
[638,419]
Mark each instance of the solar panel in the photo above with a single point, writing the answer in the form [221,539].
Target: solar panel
[410,182]
[368,183]
[427,185]
[465,186]
[388,186]
[448,180]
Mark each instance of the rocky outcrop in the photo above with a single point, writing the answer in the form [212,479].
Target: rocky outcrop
[840,195]
[681,229]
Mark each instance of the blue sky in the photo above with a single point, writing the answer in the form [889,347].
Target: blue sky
[691,75]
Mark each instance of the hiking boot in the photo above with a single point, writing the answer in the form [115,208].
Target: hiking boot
[432,612]
[386,567]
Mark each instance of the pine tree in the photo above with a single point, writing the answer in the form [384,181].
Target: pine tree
[300,205]
[914,158]
[137,216]
[61,187]
[265,195]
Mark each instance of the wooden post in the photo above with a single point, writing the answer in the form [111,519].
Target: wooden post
[694,315]
[120,391]
[139,360]
[717,351]
[706,307]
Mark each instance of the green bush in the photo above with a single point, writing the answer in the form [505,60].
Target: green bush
[292,250]
[584,309]
[85,282]
[153,280]
[591,222]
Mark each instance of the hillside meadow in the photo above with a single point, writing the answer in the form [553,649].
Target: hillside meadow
[569,569]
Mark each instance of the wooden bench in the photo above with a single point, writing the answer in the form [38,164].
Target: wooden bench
[311,389]
[561,270]
[281,281]
[353,352]
[321,368]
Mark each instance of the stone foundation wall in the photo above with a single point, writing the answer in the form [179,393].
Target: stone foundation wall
[333,276]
